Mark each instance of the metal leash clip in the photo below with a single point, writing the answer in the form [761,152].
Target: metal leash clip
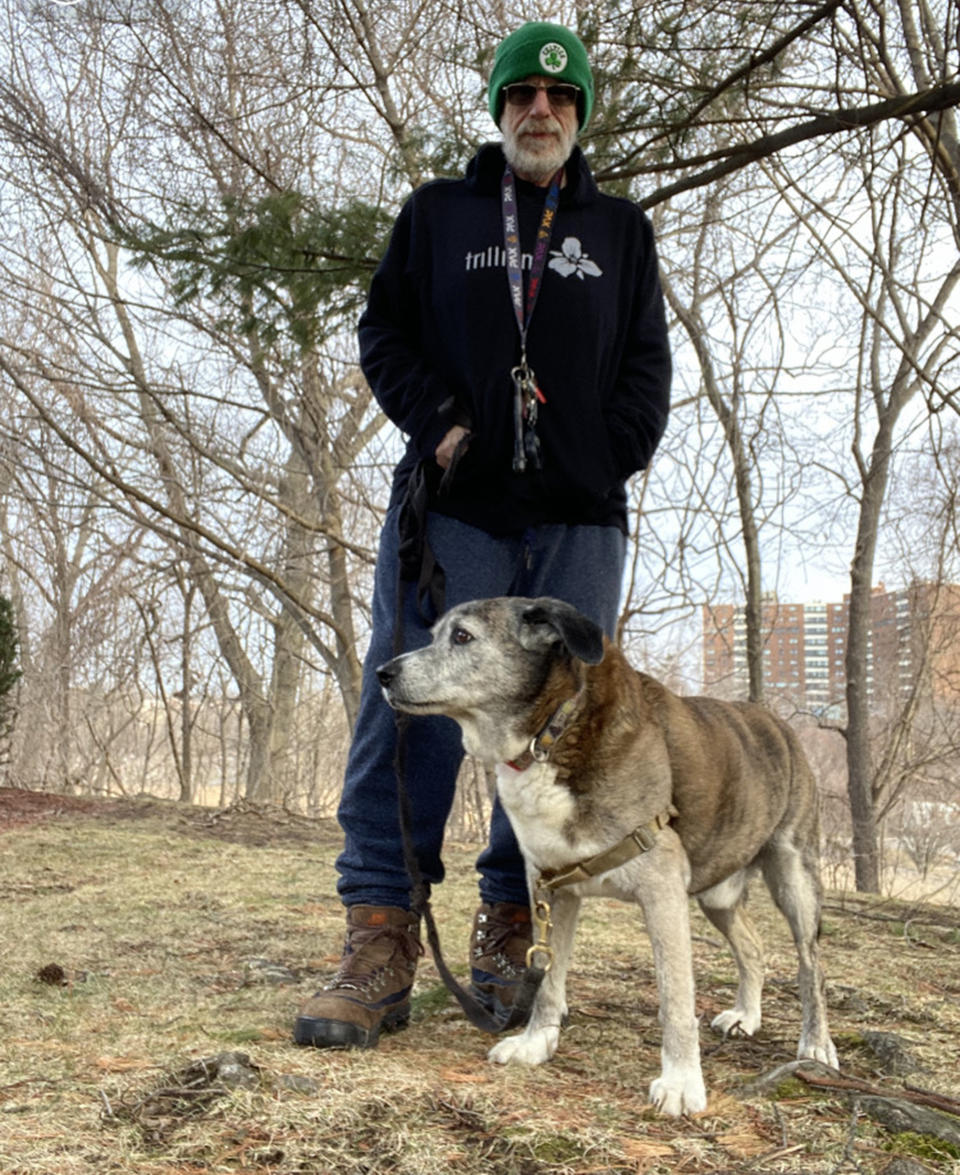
[541,916]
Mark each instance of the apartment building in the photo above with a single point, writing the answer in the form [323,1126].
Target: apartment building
[914,637]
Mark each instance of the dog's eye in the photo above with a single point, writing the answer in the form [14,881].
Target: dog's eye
[460,636]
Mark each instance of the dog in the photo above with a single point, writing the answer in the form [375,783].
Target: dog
[616,786]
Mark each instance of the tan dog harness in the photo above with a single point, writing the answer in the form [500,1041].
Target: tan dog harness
[640,840]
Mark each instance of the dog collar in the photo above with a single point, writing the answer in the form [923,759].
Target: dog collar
[640,840]
[541,744]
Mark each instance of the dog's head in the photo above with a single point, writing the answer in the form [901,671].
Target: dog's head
[488,664]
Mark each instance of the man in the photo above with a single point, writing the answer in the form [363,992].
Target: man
[515,332]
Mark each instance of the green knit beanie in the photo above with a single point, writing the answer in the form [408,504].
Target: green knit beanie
[546,49]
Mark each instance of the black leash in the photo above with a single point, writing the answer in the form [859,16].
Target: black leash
[473,1009]
[418,565]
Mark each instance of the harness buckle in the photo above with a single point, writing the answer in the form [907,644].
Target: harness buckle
[644,837]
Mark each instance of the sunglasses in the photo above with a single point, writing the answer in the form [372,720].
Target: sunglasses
[560,95]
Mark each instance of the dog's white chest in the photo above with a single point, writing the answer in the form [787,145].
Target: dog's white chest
[541,811]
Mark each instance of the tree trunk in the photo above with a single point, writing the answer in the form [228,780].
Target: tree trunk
[186,717]
[860,766]
[740,457]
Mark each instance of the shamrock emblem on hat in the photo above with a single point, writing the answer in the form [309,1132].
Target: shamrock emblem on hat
[553,57]
[570,259]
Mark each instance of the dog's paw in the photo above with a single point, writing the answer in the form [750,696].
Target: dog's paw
[736,1022]
[532,1047]
[823,1051]
[679,1094]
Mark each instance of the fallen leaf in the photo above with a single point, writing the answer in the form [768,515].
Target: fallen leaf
[645,1148]
[459,1078]
[273,1033]
[119,1064]
[743,1143]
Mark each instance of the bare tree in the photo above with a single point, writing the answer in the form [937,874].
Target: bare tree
[895,214]
[196,196]
[179,443]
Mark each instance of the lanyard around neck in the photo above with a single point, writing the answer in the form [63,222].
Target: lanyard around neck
[523,306]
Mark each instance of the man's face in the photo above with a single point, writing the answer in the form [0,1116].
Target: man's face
[538,139]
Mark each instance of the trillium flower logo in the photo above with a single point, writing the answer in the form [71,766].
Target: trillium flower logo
[570,258]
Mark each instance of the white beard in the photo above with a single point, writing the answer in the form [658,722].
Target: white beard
[537,160]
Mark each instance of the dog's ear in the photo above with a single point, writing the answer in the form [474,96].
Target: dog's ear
[552,621]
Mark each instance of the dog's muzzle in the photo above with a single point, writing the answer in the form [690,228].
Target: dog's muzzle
[390,676]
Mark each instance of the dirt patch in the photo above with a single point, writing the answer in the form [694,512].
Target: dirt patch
[241,823]
[19,806]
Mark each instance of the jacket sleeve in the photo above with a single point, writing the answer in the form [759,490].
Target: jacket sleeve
[392,356]
[640,403]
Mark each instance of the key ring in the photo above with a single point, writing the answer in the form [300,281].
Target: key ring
[526,443]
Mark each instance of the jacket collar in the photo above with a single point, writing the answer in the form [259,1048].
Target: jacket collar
[485,171]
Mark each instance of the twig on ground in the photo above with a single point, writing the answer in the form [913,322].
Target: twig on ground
[922,1097]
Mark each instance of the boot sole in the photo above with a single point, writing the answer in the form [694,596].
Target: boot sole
[341,1034]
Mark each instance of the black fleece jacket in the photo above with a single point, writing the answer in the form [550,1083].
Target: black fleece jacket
[438,339]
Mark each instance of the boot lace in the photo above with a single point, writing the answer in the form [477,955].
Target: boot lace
[374,957]
[493,938]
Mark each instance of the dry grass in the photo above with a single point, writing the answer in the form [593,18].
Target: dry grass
[157,916]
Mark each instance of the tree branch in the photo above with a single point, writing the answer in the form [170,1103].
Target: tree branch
[734,158]
[759,59]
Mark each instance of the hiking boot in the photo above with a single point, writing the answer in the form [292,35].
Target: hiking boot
[498,954]
[371,989]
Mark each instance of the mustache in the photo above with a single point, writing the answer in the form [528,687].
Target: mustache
[540,124]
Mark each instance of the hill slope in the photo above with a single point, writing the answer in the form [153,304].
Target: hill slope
[153,958]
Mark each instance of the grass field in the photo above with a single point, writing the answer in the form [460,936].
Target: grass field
[140,940]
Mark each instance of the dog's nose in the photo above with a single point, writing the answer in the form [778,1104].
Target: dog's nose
[386,673]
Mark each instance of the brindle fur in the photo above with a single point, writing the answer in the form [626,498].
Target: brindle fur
[744,792]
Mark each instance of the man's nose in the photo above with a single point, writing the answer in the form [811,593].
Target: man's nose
[541,104]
